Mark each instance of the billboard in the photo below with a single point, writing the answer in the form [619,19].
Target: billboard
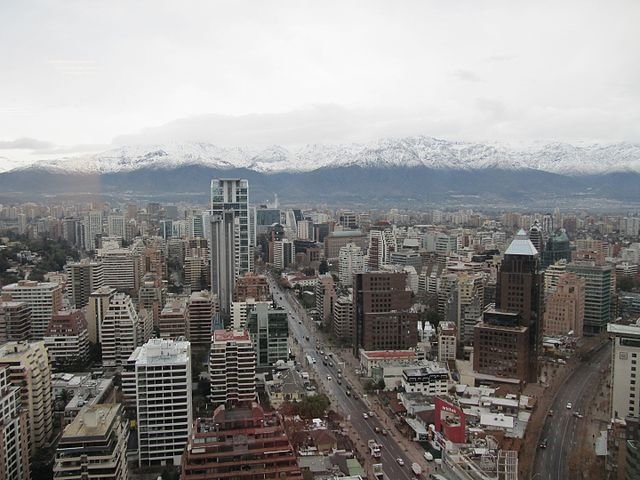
[450,421]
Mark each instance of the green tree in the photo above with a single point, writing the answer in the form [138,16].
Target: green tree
[313,406]
[323,267]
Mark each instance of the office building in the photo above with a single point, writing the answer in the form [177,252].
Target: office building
[202,307]
[94,445]
[284,253]
[84,277]
[599,280]
[15,321]
[564,308]
[343,317]
[120,332]
[447,341]
[231,237]
[384,318]
[429,380]
[28,366]
[243,442]
[67,339]
[232,367]
[325,293]
[44,299]
[97,307]
[92,226]
[552,275]
[334,241]
[536,236]
[625,390]
[350,262]
[382,243]
[116,225]
[163,399]
[152,296]
[265,217]
[14,445]
[269,330]
[518,291]
[173,321]
[558,247]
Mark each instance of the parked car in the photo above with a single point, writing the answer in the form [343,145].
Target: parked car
[569,406]
[365,416]
[400,461]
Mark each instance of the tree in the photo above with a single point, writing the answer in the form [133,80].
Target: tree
[313,406]
[369,386]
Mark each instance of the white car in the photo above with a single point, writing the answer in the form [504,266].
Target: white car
[328,377]
[569,406]
[400,461]
[365,416]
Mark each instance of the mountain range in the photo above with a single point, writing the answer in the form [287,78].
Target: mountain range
[406,170]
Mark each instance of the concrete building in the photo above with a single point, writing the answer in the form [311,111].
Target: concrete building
[202,307]
[67,339]
[564,308]
[625,391]
[44,299]
[243,443]
[121,331]
[552,275]
[117,226]
[93,229]
[338,239]
[599,284]
[240,312]
[84,277]
[253,286]
[343,317]
[431,380]
[447,341]
[284,253]
[173,321]
[94,445]
[232,238]
[269,330]
[15,321]
[96,310]
[325,293]
[163,400]
[351,261]
[382,243]
[123,268]
[14,444]
[152,295]
[384,318]
[232,367]
[28,366]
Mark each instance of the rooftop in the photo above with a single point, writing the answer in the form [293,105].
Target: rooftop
[388,354]
[92,421]
[521,245]
[230,335]
[160,350]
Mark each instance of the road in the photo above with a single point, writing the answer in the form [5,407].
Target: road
[552,462]
[301,328]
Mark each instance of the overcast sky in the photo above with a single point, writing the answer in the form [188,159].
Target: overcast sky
[80,76]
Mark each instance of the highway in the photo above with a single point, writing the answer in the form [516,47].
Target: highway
[301,327]
[552,462]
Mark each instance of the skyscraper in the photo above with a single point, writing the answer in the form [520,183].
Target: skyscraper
[232,367]
[14,445]
[85,277]
[231,242]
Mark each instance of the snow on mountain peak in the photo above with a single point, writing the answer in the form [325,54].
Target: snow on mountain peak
[387,152]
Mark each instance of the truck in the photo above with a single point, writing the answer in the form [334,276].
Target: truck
[416,468]
[374,449]
[378,473]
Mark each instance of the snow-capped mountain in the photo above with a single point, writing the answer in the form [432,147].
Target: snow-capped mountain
[418,151]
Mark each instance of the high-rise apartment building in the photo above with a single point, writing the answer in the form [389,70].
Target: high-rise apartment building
[384,318]
[152,295]
[97,307]
[382,243]
[625,390]
[269,330]
[92,224]
[163,400]
[552,275]
[116,225]
[343,317]
[15,321]
[564,308]
[123,268]
[350,262]
[44,299]
[231,237]
[202,307]
[599,280]
[28,366]
[232,367]
[243,442]
[94,445]
[173,321]
[67,339]
[447,341]
[14,444]
[284,253]
[84,277]
[120,332]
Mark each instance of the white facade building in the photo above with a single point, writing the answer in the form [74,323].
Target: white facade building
[44,299]
[350,262]
[14,446]
[163,400]
[625,389]
[121,331]
[232,367]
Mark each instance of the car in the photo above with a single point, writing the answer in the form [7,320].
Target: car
[578,414]
[376,429]
[550,414]
[543,444]
[383,431]
[355,397]
[400,461]
[370,414]
[365,416]
[348,392]
[299,322]
[307,337]
[569,406]
[339,382]
[328,377]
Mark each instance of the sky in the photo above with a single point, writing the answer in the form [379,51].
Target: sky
[80,76]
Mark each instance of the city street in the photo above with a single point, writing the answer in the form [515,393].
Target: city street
[552,462]
[352,410]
